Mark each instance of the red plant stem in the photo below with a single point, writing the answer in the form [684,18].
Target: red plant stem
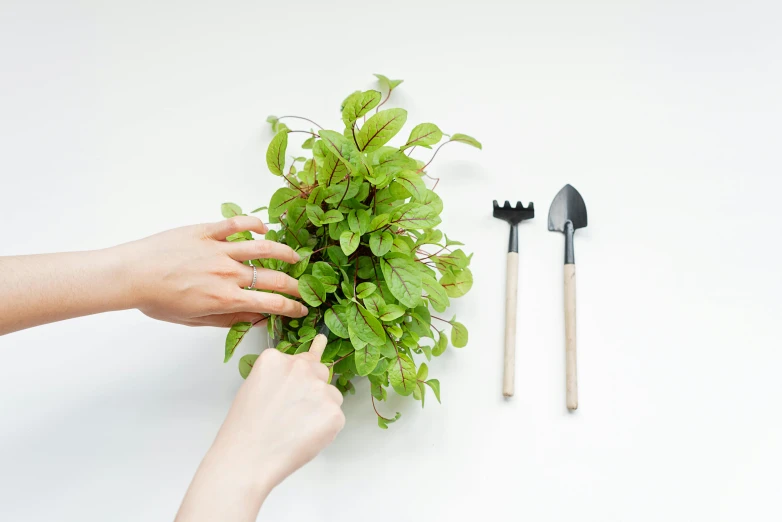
[301,118]
[384,101]
[347,188]
[305,132]
[353,131]
[343,357]
[439,319]
[433,156]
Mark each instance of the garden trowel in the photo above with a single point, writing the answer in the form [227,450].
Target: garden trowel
[568,213]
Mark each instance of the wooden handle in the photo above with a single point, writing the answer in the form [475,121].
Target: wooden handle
[511,287]
[570,337]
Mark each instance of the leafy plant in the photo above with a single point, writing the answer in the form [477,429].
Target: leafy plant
[373,263]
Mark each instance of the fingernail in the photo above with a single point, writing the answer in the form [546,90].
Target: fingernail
[304,310]
[296,257]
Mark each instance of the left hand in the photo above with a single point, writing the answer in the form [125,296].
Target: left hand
[192,276]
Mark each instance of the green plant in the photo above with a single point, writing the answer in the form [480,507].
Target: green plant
[363,221]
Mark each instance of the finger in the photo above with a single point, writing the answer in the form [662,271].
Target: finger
[334,394]
[228,320]
[262,249]
[317,347]
[227,227]
[270,280]
[265,303]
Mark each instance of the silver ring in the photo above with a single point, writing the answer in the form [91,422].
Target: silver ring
[255,278]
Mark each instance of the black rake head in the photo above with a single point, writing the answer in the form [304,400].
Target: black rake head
[514,215]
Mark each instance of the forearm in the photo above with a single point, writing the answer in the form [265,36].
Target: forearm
[225,487]
[41,289]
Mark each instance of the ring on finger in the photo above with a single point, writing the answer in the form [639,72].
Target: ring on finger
[255,278]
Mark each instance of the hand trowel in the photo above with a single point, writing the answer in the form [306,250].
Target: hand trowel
[567,214]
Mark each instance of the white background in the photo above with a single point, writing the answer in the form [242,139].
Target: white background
[121,119]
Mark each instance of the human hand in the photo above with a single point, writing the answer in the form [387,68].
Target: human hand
[192,276]
[284,414]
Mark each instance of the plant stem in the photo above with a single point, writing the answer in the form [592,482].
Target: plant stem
[347,188]
[301,118]
[439,319]
[305,132]
[343,357]
[433,156]
[384,101]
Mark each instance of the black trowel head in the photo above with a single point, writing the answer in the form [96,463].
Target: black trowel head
[568,205]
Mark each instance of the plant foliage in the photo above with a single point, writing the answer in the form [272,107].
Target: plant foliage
[373,263]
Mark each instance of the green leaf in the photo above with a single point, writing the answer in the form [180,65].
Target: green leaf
[332,216]
[234,337]
[230,210]
[336,324]
[423,372]
[440,345]
[358,104]
[332,171]
[423,135]
[458,335]
[365,289]
[297,269]
[336,255]
[390,312]
[296,216]
[450,242]
[403,280]
[349,241]
[412,182]
[281,200]
[469,140]
[415,216]
[246,364]
[431,199]
[312,290]
[275,154]
[366,359]
[452,261]
[401,375]
[315,215]
[373,302]
[434,384]
[308,143]
[358,220]
[240,236]
[457,284]
[421,320]
[340,146]
[380,128]
[366,327]
[387,84]
[322,269]
[436,294]
[380,242]
[342,191]
[379,222]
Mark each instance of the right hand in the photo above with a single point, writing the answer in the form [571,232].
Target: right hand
[283,416]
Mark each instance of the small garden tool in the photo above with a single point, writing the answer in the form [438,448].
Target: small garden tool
[568,213]
[514,216]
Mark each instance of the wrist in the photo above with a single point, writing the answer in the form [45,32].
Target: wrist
[115,279]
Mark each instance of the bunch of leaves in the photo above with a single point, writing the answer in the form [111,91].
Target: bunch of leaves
[373,263]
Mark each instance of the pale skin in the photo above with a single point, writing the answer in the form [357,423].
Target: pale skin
[283,415]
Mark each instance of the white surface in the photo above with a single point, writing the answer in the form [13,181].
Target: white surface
[119,119]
